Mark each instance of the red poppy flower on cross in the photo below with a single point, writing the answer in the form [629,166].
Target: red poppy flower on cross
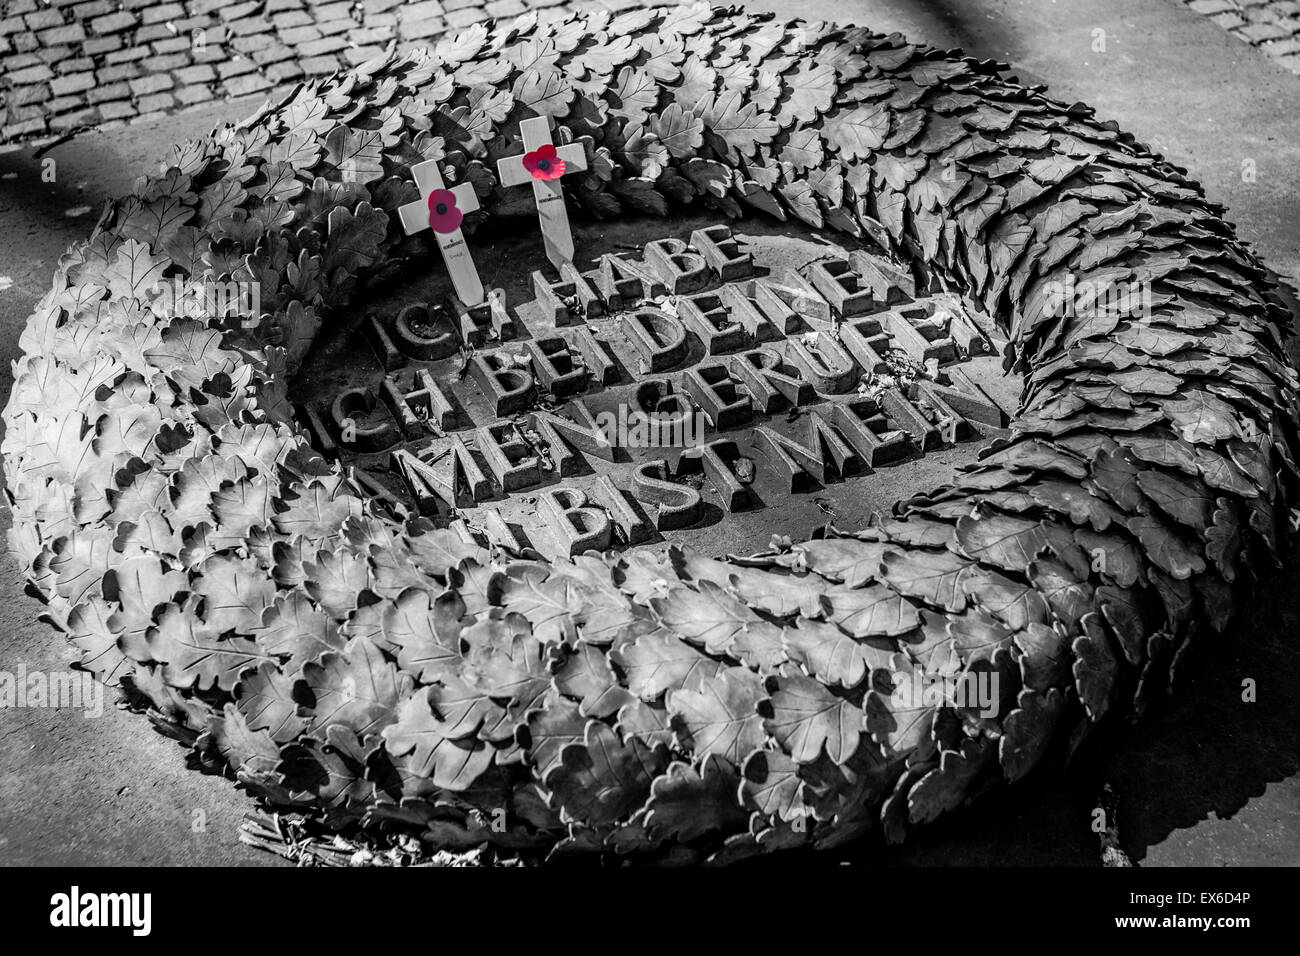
[544,162]
[444,215]
[442,210]
[544,166]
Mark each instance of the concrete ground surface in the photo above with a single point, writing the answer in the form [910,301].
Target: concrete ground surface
[1204,779]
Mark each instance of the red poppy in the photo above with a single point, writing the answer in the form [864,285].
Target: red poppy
[544,162]
[444,217]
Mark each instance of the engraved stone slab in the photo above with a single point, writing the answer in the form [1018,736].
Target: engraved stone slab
[708,383]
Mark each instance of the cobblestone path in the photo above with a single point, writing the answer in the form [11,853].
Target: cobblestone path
[68,64]
[1271,26]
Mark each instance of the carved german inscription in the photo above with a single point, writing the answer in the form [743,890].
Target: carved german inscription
[701,384]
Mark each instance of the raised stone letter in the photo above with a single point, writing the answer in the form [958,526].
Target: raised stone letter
[715,391]
[722,252]
[659,338]
[507,387]
[709,317]
[824,363]
[682,271]
[675,505]
[558,370]
[762,372]
[578,526]
[355,422]
[417,404]
[839,284]
[511,460]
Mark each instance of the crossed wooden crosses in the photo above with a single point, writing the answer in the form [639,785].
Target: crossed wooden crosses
[442,209]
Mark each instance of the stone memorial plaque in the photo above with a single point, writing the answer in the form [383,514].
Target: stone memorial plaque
[708,384]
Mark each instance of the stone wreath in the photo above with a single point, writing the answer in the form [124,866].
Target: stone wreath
[196,550]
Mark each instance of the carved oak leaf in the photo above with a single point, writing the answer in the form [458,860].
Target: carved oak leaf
[808,719]
[599,781]
[605,57]
[316,513]
[1201,418]
[426,633]
[455,48]
[660,661]
[799,199]
[552,606]
[645,155]
[543,94]
[158,221]
[357,688]
[90,633]
[944,788]
[233,597]
[356,154]
[832,656]
[938,578]
[549,730]
[419,739]
[331,770]
[502,658]
[586,674]
[1029,730]
[1165,547]
[354,238]
[679,129]
[685,804]
[265,697]
[194,654]
[810,90]
[293,626]
[135,271]
[540,54]
[739,124]
[758,196]
[709,616]
[245,750]
[858,133]
[635,95]
[720,718]
[1095,667]
[698,81]
[664,55]
[849,560]
[771,784]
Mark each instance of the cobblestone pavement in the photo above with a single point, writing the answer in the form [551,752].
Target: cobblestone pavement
[1271,26]
[68,64]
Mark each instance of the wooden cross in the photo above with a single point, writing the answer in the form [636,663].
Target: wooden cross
[441,209]
[541,155]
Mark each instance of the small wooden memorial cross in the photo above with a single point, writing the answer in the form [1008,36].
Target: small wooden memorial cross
[441,209]
[544,165]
